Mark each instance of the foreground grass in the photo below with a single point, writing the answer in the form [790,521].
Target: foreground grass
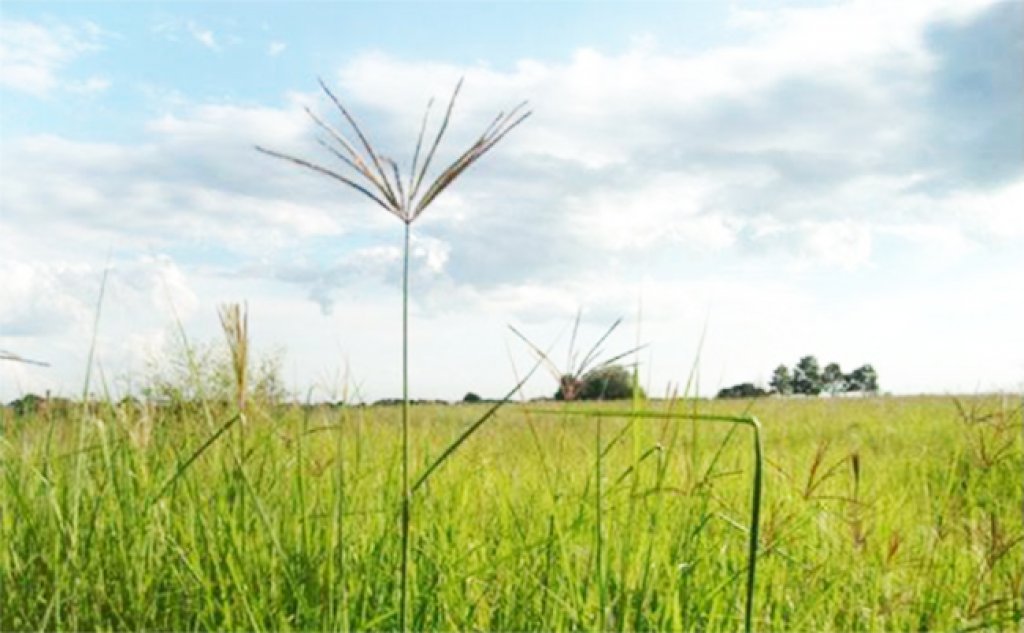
[889,513]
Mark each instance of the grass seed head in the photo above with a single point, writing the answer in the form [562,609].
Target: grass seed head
[379,178]
[234,320]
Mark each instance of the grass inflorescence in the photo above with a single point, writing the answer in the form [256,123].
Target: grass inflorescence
[380,179]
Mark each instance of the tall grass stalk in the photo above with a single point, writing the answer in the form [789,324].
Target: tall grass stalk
[406,492]
[234,321]
[753,527]
[379,178]
[80,431]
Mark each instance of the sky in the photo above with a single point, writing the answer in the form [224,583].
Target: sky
[742,183]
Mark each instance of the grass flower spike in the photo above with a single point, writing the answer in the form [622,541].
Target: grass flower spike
[379,178]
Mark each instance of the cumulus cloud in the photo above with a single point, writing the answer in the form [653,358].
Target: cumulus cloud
[39,300]
[43,298]
[33,55]
[49,310]
[771,146]
[196,179]
[360,269]
[973,132]
[823,116]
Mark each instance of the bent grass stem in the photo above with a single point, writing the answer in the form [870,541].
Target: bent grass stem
[756,484]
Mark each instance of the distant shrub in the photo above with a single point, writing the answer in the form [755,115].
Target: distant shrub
[26,405]
[203,371]
[613,382]
[742,390]
[471,397]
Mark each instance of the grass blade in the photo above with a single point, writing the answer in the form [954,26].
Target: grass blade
[194,456]
[470,430]
[757,483]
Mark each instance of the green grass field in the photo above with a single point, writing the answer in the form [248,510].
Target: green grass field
[878,514]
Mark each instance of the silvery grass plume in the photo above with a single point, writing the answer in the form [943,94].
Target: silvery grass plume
[379,178]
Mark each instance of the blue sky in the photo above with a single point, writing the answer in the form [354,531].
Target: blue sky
[838,179]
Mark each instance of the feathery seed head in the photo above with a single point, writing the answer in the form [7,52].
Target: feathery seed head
[379,178]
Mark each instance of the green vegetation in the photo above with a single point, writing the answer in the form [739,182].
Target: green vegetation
[807,378]
[610,382]
[878,513]
[742,390]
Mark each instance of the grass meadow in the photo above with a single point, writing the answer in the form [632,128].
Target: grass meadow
[884,513]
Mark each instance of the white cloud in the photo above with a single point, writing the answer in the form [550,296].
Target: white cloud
[43,298]
[196,179]
[174,29]
[942,241]
[275,48]
[996,214]
[842,244]
[202,35]
[48,310]
[88,86]
[33,55]
[661,209]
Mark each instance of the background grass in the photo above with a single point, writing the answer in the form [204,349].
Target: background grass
[881,513]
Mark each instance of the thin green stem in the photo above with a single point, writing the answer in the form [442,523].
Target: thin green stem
[338,538]
[599,536]
[755,523]
[755,513]
[403,615]
[470,430]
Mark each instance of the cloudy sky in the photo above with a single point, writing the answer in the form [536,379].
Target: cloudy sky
[744,183]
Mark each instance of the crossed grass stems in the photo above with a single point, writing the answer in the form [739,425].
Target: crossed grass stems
[379,178]
[570,381]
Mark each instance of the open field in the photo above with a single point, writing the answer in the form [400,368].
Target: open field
[878,513]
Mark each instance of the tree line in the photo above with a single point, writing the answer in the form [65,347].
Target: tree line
[808,378]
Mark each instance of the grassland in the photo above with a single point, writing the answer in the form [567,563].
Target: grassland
[878,514]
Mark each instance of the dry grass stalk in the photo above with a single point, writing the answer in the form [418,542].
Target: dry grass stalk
[571,380]
[17,358]
[379,178]
[234,320]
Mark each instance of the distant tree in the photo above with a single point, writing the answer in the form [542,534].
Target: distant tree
[832,379]
[864,379]
[613,382]
[471,397]
[742,390]
[807,376]
[27,404]
[782,381]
